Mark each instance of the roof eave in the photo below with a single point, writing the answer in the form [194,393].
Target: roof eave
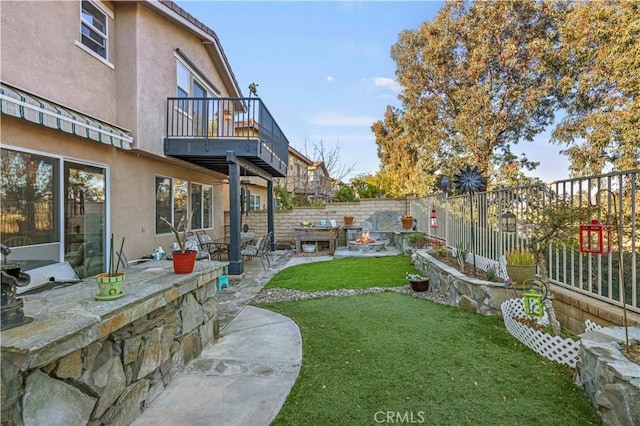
[208,37]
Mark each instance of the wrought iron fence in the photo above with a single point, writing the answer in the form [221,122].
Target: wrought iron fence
[610,198]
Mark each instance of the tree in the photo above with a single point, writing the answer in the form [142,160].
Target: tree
[331,159]
[403,171]
[345,194]
[367,186]
[600,47]
[477,80]
[285,202]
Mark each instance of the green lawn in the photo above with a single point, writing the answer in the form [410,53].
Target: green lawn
[351,273]
[392,358]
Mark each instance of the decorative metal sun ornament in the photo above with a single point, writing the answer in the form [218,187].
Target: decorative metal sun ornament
[470,180]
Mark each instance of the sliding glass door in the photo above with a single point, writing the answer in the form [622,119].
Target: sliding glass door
[84,218]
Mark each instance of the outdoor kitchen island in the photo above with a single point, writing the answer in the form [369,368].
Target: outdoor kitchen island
[313,235]
[84,361]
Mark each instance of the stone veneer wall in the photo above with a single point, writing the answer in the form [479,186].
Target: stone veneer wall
[108,371]
[483,297]
[610,380]
[572,308]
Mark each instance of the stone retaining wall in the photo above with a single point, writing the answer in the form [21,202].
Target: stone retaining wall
[610,380]
[471,294]
[83,361]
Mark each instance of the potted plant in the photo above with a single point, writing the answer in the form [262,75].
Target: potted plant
[110,282]
[183,260]
[418,240]
[521,265]
[348,220]
[418,282]
[407,222]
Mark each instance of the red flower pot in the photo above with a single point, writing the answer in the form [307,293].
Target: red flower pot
[407,223]
[183,263]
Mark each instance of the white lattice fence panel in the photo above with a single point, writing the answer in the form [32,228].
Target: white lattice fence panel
[591,326]
[554,348]
[485,263]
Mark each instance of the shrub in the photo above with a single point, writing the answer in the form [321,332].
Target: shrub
[520,257]
[418,240]
[462,251]
[345,194]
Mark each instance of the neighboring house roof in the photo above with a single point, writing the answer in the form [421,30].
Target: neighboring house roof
[210,39]
[302,157]
[320,165]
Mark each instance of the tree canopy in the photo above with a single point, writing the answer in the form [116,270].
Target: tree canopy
[600,86]
[482,77]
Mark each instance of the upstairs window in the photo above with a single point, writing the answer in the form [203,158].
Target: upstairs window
[184,80]
[183,84]
[93,29]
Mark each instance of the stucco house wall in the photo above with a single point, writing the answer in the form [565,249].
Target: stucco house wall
[40,54]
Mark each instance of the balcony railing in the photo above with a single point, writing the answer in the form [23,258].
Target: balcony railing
[319,186]
[225,119]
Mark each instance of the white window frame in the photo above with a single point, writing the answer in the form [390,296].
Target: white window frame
[179,88]
[172,200]
[255,202]
[58,246]
[203,188]
[189,206]
[192,77]
[107,16]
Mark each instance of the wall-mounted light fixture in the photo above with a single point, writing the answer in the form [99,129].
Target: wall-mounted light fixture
[245,197]
[508,222]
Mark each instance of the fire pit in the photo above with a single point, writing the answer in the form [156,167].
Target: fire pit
[364,244]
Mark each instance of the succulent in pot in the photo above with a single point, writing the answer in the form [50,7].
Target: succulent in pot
[418,282]
[184,260]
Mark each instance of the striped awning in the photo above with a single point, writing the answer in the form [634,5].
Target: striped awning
[19,103]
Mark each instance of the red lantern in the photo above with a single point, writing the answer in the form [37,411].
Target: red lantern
[594,238]
[434,219]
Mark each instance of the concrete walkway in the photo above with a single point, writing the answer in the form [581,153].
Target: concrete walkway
[244,377]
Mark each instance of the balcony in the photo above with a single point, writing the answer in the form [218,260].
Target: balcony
[203,130]
[316,186]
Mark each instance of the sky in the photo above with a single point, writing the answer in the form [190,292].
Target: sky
[324,70]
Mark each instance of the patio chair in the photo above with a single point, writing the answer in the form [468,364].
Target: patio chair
[255,250]
[267,248]
[204,241]
[125,263]
[264,250]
